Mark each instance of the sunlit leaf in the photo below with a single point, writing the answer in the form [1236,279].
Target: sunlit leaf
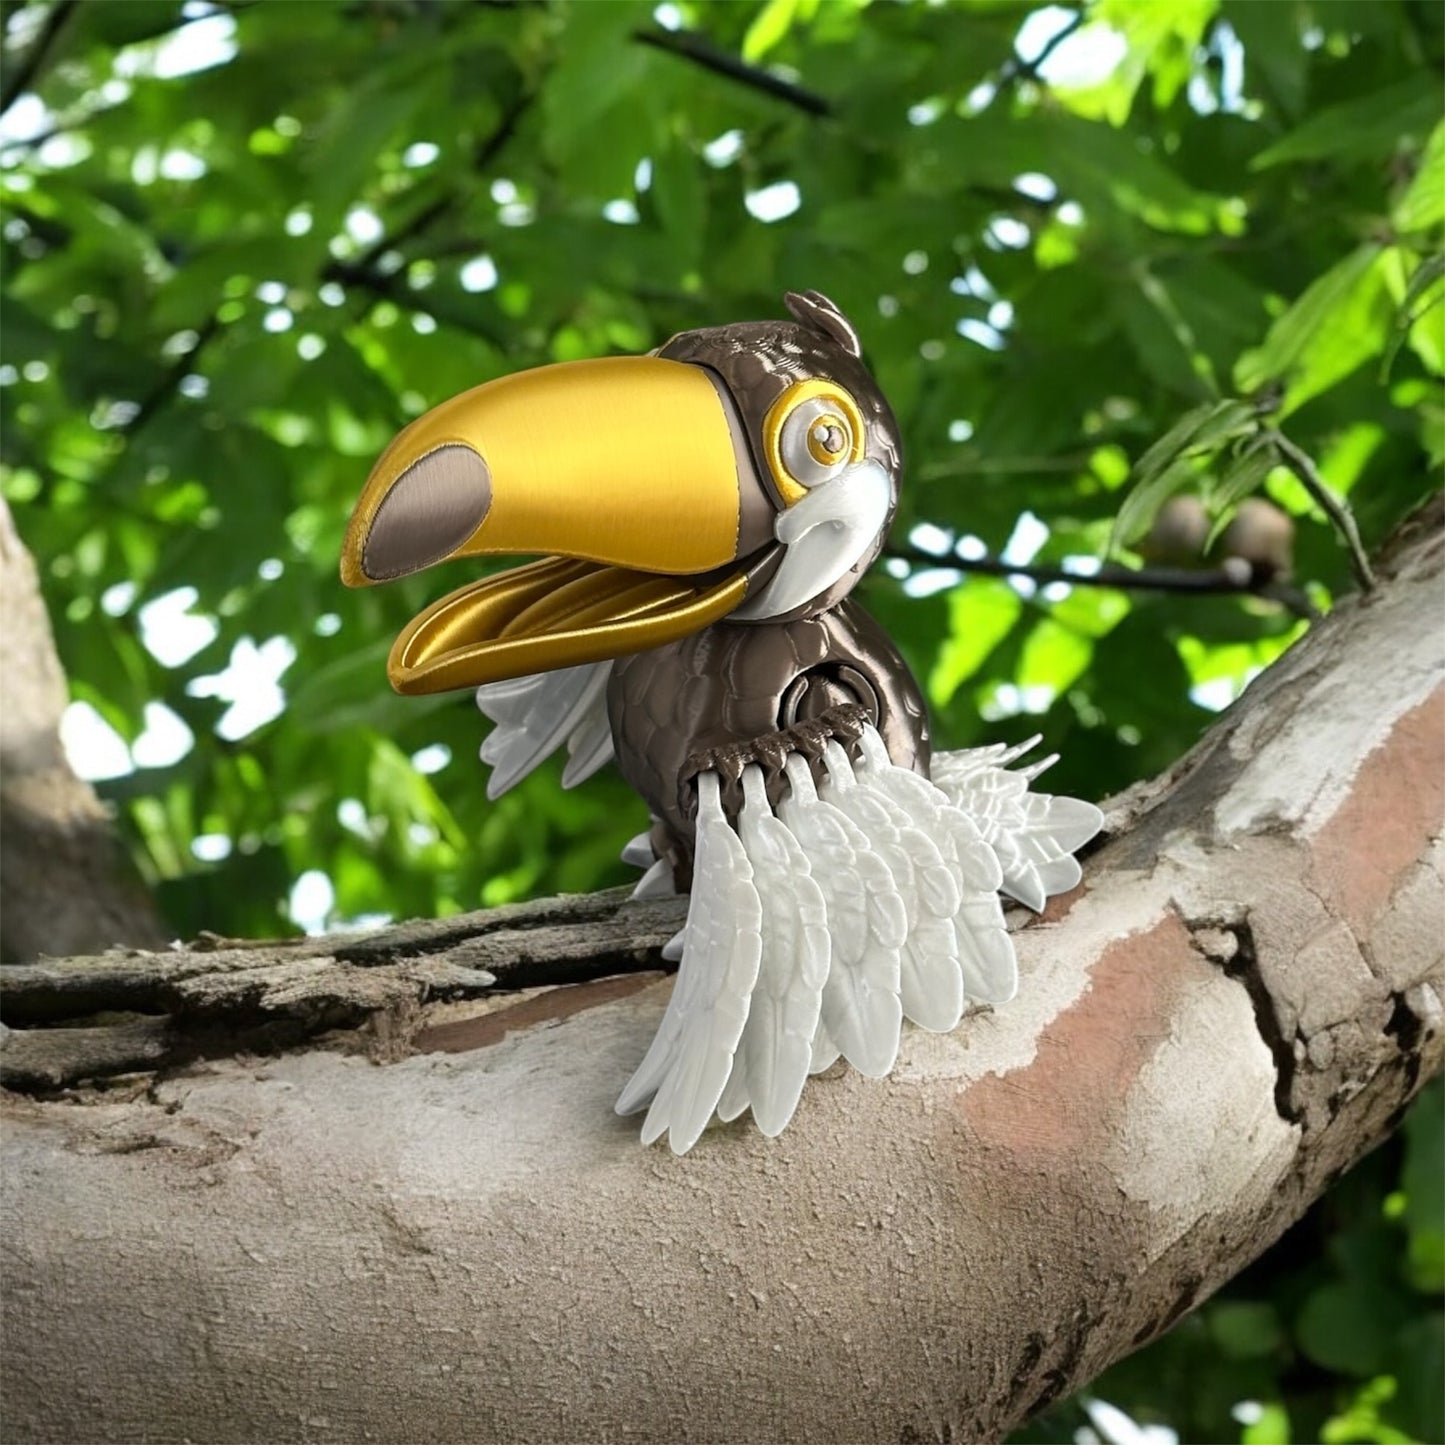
[981,615]
[1423,203]
[1297,329]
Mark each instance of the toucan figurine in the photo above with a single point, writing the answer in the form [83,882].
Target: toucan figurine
[702,515]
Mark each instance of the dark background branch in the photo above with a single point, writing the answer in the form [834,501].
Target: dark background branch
[1221,581]
[28,69]
[695,48]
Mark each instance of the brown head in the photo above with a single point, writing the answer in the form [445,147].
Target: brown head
[746,471]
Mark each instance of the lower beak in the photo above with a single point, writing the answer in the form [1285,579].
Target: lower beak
[631,476]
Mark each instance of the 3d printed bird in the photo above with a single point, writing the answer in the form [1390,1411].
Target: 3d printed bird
[703,514]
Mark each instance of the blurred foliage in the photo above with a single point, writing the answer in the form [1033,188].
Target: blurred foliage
[244,244]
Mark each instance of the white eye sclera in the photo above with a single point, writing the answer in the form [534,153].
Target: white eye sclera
[816,441]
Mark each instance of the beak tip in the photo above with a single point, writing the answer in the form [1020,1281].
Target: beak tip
[352,573]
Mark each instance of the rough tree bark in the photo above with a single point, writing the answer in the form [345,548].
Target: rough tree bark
[65,887]
[426,1223]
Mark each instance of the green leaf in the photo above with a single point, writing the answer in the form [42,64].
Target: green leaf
[1369,127]
[595,106]
[1244,476]
[1420,1368]
[1348,1326]
[1142,504]
[1246,1329]
[769,26]
[1272,1427]
[1293,332]
[1172,443]
[1360,1421]
[678,194]
[1053,657]
[1420,298]
[1164,470]
[981,615]
[1423,1183]
[1355,330]
[1162,37]
[1423,204]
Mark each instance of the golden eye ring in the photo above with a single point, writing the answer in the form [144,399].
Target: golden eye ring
[810,434]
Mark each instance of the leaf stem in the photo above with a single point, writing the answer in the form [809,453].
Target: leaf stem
[1328,500]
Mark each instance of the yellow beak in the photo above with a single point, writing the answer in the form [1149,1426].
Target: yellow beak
[630,475]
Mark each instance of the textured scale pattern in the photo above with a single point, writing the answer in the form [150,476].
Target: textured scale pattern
[741,679]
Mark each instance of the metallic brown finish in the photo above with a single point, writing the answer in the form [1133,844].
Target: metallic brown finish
[814,309]
[758,360]
[842,723]
[734,682]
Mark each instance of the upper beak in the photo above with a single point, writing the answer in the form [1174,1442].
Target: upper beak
[635,469]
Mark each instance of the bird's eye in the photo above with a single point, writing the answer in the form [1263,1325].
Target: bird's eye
[813,431]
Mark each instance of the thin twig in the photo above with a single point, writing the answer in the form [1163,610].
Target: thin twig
[431,213]
[692,46]
[165,388]
[62,127]
[1020,69]
[1331,503]
[24,75]
[1217,581]
[393,288]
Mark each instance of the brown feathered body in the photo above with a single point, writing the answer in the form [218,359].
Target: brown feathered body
[735,682]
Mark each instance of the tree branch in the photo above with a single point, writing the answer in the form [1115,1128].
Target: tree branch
[1220,581]
[701,51]
[27,72]
[1239,1001]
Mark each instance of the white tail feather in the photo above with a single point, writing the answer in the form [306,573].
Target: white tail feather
[1033,835]
[930,984]
[984,950]
[657,882]
[825,1052]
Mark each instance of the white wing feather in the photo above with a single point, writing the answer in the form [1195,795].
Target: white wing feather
[687,1067]
[589,746]
[776,1049]
[1034,835]
[825,1052]
[930,983]
[867,920]
[535,715]
[985,952]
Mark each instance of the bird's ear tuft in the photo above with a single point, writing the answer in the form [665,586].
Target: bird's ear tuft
[814,309]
